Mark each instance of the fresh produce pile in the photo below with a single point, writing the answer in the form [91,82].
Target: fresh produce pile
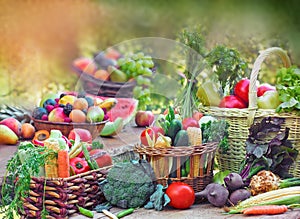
[268,194]
[76,108]
[55,156]
[170,130]
[113,66]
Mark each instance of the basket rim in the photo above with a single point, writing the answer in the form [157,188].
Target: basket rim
[70,123]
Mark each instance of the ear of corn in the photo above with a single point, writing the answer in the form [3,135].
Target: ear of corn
[285,196]
[195,138]
[51,169]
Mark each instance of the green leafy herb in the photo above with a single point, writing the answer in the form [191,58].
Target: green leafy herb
[216,131]
[195,51]
[16,182]
[288,86]
[268,148]
[228,66]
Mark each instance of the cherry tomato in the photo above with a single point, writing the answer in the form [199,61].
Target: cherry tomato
[189,122]
[182,195]
[152,131]
[241,90]
[232,101]
[263,88]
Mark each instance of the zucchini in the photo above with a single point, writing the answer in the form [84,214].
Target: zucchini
[181,138]
[175,126]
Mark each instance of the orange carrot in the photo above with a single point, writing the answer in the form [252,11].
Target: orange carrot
[63,164]
[265,209]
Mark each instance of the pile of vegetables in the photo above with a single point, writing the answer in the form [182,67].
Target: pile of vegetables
[54,157]
[170,130]
[267,193]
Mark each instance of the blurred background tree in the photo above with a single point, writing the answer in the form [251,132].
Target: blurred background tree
[39,39]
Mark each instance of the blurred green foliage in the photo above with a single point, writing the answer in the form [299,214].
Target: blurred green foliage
[40,40]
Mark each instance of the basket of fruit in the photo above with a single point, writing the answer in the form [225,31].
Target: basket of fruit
[69,111]
[112,75]
[250,104]
[176,152]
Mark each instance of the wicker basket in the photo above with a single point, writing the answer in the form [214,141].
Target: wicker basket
[240,120]
[65,127]
[162,160]
[92,85]
[62,195]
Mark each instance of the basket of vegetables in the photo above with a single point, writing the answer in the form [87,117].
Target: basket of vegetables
[251,103]
[55,180]
[175,151]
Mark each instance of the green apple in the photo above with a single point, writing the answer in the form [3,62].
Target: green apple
[269,100]
[95,114]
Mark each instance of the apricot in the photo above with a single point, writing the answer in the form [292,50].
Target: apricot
[102,74]
[27,131]
[77,116]
[81,104]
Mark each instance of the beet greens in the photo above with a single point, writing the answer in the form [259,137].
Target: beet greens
[268,148]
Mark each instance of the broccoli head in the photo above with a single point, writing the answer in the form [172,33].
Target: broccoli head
[129,184]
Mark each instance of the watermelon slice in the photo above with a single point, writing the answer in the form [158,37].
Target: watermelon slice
[126,108]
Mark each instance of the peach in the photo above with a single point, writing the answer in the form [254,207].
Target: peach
[13,124]
[28,131]
[77,116]
[57,115]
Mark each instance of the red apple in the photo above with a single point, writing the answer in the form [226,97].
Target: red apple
[263,88]
[84,134]
[189,122]
[102,157]
[144,118]
[13,124]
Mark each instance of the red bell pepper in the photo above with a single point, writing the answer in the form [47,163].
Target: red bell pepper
[79,165]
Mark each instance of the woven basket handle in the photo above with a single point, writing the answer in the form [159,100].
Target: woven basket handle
[253,76]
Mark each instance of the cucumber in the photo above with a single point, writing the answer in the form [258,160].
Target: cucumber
[181,138]
[175,126]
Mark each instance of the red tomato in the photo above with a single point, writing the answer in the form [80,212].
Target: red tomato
[241,90]
[182,195]
[263,88]
[189,122]
[152,131]
[232,101]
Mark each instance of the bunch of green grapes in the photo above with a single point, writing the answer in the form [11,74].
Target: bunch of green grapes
[139,67]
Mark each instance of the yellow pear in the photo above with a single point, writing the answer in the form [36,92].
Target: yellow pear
[7,136]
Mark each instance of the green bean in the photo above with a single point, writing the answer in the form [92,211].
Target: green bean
[85,212]
[125,212]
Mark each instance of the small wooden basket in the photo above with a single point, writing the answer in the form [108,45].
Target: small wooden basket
[65,127]
[240,120]
[60,196]
[92,85]
[162,160]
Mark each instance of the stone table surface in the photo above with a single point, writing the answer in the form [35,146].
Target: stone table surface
[124,141]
